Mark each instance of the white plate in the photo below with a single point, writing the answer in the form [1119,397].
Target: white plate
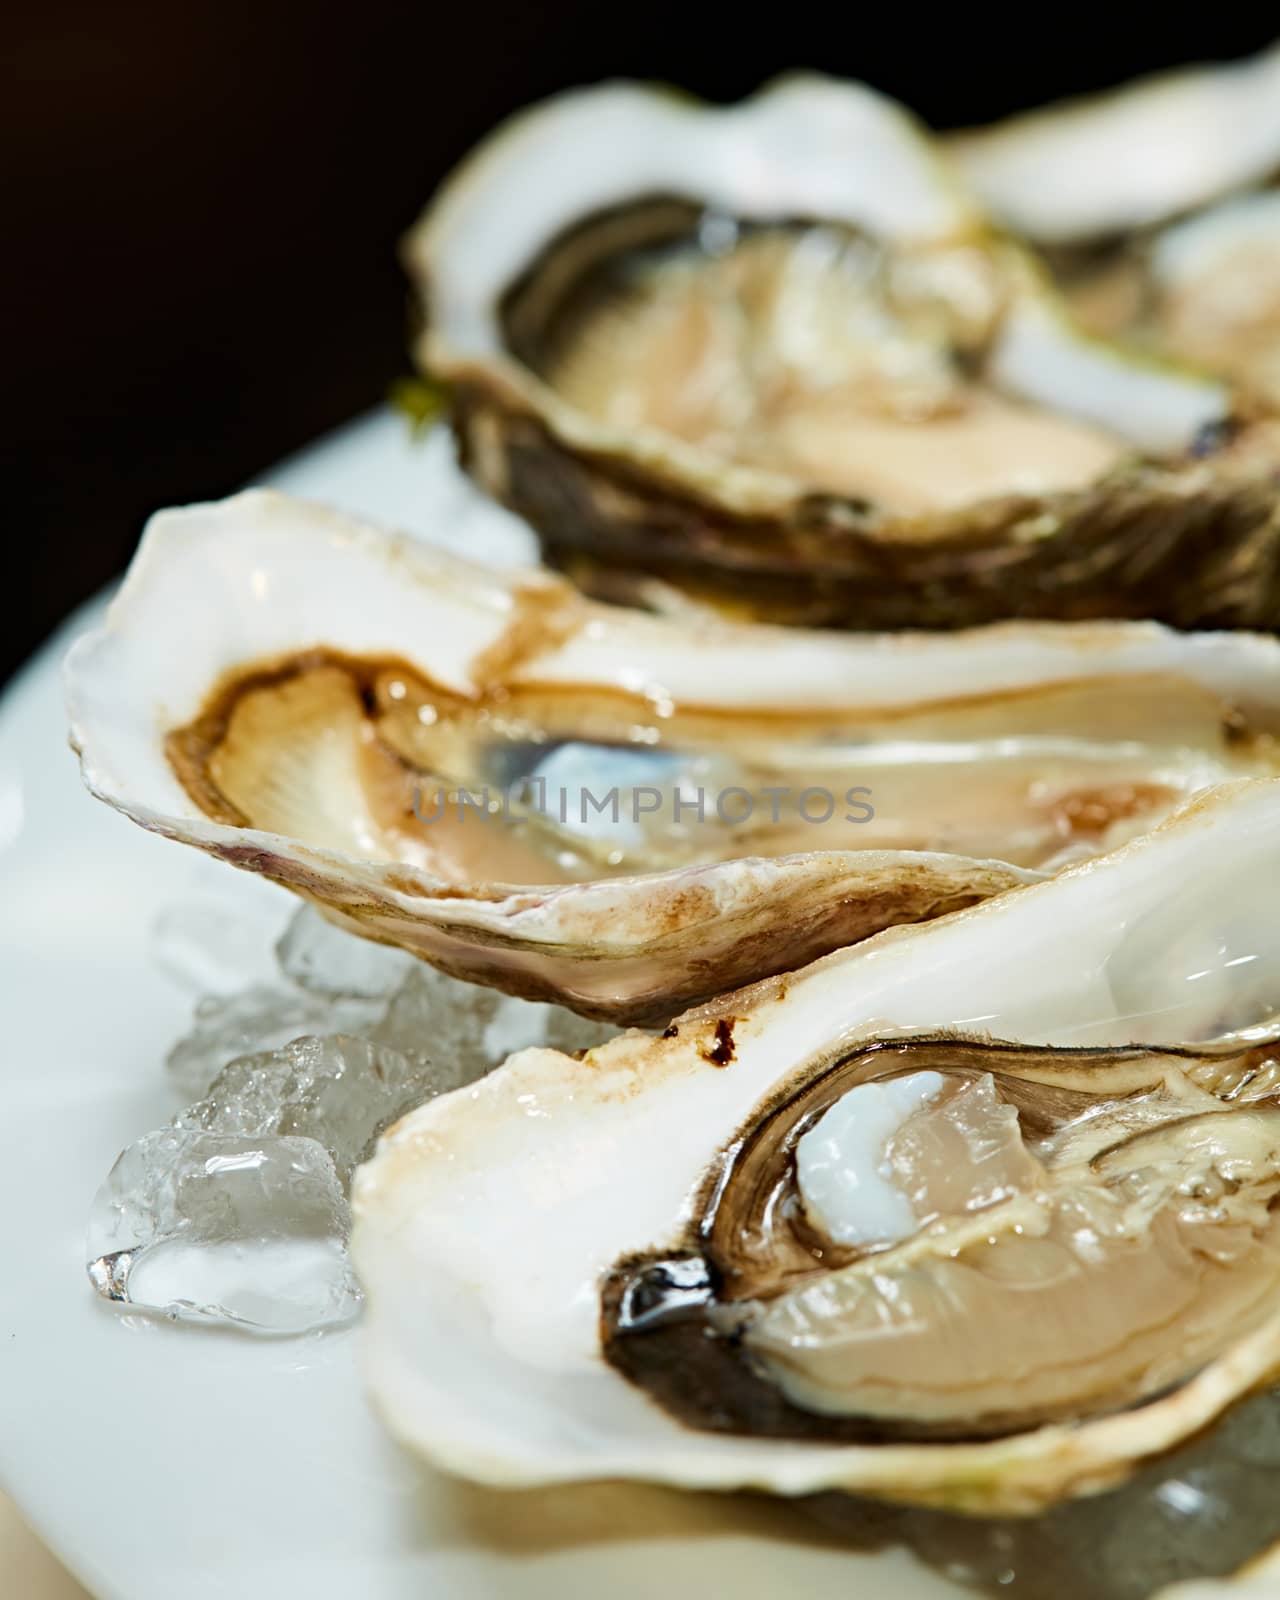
[161,1461]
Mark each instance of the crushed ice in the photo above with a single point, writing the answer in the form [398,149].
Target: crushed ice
[1200,1511]
[237,1211]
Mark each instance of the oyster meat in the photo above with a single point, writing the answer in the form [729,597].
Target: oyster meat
[771,357]
[936,1239]
[947,1218]
[612,810]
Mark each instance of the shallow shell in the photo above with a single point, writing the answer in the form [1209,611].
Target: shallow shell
[313,700]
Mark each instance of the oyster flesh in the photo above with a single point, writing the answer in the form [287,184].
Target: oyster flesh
[608,809]
[773,358]
[836,1231]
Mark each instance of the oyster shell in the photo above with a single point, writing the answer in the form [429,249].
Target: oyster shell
[454,759]
[1125,195]
[1208,292]
[1131,158]
[507,1365]
[770,357]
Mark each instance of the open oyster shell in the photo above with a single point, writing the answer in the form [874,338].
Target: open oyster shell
[1125,194]
[454,759]
[503,1361]
[1216,290]
[1130,158]
[770,357]
[1205,290]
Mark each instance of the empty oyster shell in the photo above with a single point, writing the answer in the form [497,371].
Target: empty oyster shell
[608,809]
[659,1191]
[770,356]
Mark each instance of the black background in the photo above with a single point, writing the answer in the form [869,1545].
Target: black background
[202,202]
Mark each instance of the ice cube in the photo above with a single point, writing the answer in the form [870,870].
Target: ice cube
[326,960]
[257,1019]
[334,982]
[225,1227]
[1201,1511]
[238,1210]
[474,1026]
[340,1091]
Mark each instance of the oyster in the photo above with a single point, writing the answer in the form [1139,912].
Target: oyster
[941,1240]
[609,809]
[1211,293]
[769,357]
[1125,195]
[1131,158]
[824,1234]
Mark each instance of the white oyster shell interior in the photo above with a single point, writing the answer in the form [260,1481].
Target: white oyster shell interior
[1137,155]
[487,1358]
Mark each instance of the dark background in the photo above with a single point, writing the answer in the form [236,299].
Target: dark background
[201,204]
